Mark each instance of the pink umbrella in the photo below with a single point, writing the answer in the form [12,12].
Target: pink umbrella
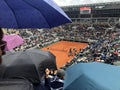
[13,41]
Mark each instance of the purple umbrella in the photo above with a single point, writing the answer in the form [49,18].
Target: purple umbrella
[13,41]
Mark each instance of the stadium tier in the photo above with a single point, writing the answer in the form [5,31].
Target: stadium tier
[106,11]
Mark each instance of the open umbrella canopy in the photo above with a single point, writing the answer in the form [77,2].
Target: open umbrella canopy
[31,14]
[13,41]
[92,76]
[29,64]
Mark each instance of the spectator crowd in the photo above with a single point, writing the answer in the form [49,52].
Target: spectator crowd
[103,44]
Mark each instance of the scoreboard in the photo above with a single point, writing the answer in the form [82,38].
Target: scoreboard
[85,10]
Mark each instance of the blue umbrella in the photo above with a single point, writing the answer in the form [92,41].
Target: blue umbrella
[31,14]
[92,76]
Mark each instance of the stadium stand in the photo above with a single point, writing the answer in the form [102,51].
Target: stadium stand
[99,11]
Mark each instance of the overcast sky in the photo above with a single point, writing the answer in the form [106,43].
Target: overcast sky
[78,2]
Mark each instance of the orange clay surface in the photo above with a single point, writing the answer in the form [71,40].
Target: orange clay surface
[61,51]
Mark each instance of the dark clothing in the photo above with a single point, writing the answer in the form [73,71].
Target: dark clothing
[40,87]
[2,71]
[56,84]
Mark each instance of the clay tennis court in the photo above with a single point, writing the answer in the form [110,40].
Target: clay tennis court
[61,50]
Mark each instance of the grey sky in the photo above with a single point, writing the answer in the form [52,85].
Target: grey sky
[78,2]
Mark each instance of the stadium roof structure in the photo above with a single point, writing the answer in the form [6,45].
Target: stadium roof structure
[94,4]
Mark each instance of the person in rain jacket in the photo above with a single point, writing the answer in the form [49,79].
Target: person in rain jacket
[55,82]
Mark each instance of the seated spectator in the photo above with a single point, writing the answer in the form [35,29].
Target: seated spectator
[2,45]
[55,82]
